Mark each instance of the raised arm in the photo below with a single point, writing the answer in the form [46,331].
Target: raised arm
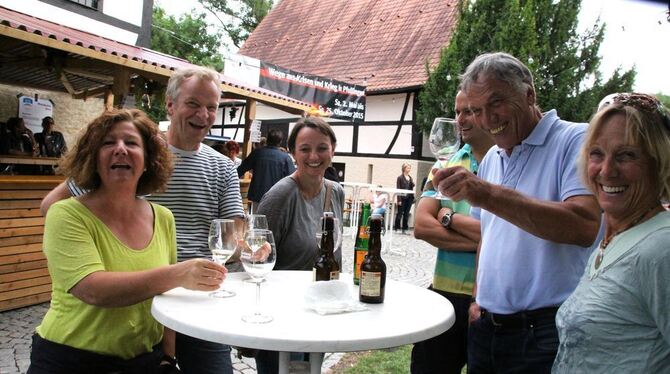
[575,220]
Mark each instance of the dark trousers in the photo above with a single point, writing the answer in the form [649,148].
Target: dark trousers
[523,342]
[446,353]
[402,212]
[47,357]
[196,356]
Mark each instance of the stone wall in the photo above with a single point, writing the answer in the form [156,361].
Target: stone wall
[69,114]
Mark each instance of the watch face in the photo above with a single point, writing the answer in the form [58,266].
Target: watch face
[446,220]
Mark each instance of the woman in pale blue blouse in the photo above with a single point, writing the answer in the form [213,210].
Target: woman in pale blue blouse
[618,318]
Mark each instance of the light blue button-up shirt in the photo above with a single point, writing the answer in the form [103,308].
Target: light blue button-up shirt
[517,270]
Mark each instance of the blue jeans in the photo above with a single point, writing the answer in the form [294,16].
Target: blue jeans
[446,353]
[524,342]
[196,356]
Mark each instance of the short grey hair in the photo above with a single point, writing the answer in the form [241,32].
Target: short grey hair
[501,66]
[178,78]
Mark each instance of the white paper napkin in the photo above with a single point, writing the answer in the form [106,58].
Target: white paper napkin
[331,297]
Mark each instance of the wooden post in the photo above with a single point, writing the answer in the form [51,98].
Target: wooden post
[249,116]
[109,99]
[121,85]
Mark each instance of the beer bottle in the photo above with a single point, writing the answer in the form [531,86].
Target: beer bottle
[373,268]
[361,244]
[325,267]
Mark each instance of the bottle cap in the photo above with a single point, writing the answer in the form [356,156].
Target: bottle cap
[328,223]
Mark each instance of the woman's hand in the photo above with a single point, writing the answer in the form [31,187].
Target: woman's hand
[200,274]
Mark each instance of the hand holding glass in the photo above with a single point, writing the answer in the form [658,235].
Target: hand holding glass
[444,141]
[223,238]
[258,256]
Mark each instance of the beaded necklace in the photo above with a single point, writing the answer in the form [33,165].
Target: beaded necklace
[606,241]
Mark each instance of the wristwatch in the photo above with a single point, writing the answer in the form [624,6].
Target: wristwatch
[446,219]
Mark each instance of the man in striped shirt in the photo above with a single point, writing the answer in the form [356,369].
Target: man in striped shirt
[203,186]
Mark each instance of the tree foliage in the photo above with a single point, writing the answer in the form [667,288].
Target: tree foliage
[186,37]
[540,33]
[240,17]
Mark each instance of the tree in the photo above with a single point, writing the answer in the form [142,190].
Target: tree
[186,37]
[542,34]
[664,99]
[243,16]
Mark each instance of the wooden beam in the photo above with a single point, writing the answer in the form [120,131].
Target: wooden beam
[67,84]
[109,99]
[249,116]
[85,94]
[89,74]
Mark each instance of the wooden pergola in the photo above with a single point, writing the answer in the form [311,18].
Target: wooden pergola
[43,55]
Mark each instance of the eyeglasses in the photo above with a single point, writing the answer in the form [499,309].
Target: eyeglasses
[645,103]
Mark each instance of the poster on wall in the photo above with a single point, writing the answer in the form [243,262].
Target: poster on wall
[33,110]
[339,99]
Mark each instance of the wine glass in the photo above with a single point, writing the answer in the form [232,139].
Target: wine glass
[223,237]
[444,141]
[258,258]
[256,221]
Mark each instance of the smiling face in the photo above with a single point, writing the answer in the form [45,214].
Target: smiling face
[120,159]
[313,152]
[470,132]
[620,173]
[502,110]
[192,113]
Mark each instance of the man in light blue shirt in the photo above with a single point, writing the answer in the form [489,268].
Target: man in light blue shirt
[538,221]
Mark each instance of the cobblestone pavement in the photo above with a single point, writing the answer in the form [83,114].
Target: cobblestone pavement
[410,261]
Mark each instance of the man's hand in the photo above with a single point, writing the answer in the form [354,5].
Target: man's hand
[474,312]
[457,183]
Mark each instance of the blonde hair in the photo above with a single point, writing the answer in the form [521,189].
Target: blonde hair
[646,127]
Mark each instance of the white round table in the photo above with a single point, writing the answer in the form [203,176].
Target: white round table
[409,314]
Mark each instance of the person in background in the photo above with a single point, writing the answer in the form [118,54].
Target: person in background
[268,164]
[538,221]
[447,225]
[378,201]
[295,205]
[19,140]
[109,252]
[51,143]
[232,150]
[204,186]
[617,319]
[404,182]
[331,174]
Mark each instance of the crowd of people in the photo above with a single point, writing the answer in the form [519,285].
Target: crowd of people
[552,242]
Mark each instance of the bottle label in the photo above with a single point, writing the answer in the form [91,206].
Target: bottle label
[359,256]
[371,283]
[334,275]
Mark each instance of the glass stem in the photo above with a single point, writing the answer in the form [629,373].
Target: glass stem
[258,298]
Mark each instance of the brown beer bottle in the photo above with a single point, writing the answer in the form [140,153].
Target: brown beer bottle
[325,267]
[373,268]
[361,244]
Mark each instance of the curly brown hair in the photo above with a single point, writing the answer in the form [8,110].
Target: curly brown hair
[80,163]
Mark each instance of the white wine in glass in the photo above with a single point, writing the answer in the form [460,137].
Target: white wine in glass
[223,237]
[444,141]
[258,256]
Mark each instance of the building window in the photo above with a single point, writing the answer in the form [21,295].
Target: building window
[89,3]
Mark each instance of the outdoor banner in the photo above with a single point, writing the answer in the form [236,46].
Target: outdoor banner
[32,110]
[339,99]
